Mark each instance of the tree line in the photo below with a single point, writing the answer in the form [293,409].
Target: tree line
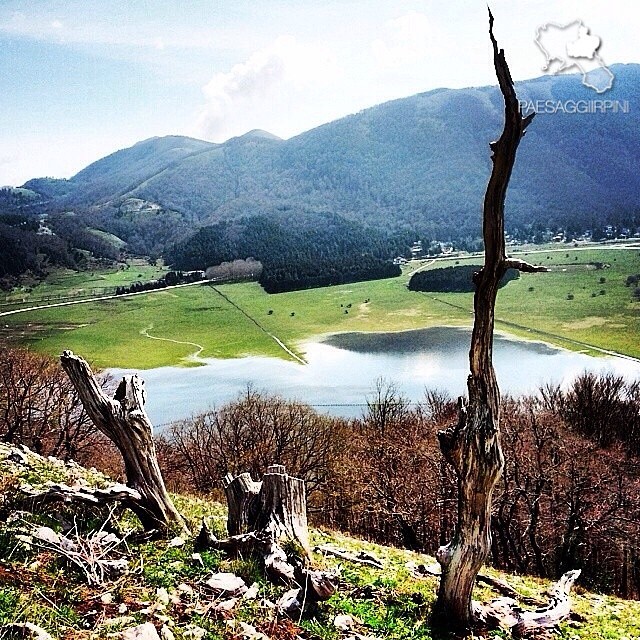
[296,252]
[170,279]
[458,278]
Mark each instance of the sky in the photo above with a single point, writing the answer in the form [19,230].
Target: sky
[83,78]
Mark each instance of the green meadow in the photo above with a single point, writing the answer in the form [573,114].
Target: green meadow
[581,301]
[65,283]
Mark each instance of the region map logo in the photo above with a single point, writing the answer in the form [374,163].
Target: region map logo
[572,46]
[569,48]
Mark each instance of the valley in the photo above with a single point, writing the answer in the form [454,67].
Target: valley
[583,303]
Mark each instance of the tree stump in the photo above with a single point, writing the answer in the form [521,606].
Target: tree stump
[275,507]
[263,515]
[124,421]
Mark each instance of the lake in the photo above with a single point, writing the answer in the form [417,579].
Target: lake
[342,371]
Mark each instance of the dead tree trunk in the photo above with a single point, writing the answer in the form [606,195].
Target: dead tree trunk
[124,421]
[472,447]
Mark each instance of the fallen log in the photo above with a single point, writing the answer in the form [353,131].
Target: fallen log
[433,570]
[87,495]
[362,557]
[507,590]
[506,613]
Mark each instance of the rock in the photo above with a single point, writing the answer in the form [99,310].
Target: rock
[246,631]
[46,534]
[184,588]
[144,631]
[166,633]
[17,456]
[290,603]
[193,632]
[344,622]
[227,582]
[224,609]
[252,592]
[120,621]
[177,542]
[162,597]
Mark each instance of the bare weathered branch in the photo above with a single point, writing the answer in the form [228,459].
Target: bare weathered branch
[506,613]
[361,557]
[87,495]
[124,421]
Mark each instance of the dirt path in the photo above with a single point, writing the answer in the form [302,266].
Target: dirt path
[192,357]
[98,298]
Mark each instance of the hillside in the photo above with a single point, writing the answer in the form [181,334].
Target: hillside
[120,172]
[166,586]
[420,163]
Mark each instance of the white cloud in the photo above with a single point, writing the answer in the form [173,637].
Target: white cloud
[273,89]
[407,39]
[97,26]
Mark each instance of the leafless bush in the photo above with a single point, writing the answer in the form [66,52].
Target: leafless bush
[249,268]
[387,479]
[564,501]
[249,435]
[40,408]
[604,408]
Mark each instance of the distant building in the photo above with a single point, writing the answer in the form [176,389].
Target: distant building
[416,249]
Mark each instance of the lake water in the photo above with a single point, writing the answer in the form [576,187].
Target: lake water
[342,371]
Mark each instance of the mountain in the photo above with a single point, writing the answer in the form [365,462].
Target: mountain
[122,171]
[417,164]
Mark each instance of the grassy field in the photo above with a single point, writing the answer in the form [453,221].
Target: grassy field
[565,306]
[67,283]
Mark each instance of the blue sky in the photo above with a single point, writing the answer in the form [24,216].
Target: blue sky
[83,78]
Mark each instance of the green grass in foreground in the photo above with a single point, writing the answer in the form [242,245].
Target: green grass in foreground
[109,332]
[165,584]
[166,587]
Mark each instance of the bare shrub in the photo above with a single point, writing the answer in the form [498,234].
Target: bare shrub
[249,435]
[40,408]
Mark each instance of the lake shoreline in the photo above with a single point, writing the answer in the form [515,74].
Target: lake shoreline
[344,368]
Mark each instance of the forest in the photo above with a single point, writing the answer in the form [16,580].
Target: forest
[296,251]
[458,278]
